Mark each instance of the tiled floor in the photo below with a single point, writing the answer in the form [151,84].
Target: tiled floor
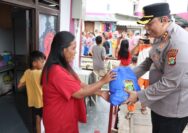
[14,117]
[14,114]
[141,123]
[10,119]
[97,118]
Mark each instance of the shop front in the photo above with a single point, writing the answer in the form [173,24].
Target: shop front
[25,25]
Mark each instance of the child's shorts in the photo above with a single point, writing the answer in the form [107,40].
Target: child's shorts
[37,111]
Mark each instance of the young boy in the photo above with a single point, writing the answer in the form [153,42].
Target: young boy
[31,79]
[99,55]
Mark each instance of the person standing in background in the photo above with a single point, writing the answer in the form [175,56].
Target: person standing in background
[99,55]
[122,36]
[106,43]
[124,55]
[142,50]
[125,59]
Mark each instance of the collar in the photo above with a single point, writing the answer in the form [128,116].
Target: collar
[167,34]
[169,31]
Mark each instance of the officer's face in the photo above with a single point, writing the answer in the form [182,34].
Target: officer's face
[155,28]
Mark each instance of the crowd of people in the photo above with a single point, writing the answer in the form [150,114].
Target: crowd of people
[111,41]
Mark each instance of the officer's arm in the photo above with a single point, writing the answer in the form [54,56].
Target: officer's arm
[143,67]
[174,78]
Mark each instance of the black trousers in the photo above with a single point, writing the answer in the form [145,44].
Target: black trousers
[161,124]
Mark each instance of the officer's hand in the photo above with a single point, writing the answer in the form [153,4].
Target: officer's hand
[133,97]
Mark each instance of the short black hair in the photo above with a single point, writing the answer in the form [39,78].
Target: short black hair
[98,40]
[184,26]
[36,55]
[145,41]
[134,59]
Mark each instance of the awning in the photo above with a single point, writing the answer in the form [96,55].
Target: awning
[127,23]
[100,17]
[124,17]
[127,20]
[181,18]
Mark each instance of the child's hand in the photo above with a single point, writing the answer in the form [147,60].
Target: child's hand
[104,94]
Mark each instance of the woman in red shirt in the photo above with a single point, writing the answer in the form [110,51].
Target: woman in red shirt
[63,92]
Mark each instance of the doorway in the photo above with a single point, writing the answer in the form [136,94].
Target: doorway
[16,41]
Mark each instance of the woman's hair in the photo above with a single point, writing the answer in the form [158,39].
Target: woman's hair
[56,56]
[124,49]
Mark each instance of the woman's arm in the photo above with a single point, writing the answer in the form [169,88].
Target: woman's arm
[87,90]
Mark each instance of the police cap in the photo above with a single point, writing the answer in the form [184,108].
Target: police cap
[154,10]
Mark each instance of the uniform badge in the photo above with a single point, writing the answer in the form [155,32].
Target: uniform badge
[172,56]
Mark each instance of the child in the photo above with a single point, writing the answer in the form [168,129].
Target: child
[143,49]
[133,62]
[124,55]
[125,59]
[31,79]
[99,55]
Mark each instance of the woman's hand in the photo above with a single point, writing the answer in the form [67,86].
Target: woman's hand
[133,97]
[109,77]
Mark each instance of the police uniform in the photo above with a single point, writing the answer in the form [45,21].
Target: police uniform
[167,95]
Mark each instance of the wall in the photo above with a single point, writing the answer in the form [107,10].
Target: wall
[67,23]
[97,26]
[65,15]
[20,33]
[5,13]
[6,41]
[180,6]
[175,6]
[77,33]
[109,7]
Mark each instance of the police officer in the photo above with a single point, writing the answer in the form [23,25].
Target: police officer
[167,94]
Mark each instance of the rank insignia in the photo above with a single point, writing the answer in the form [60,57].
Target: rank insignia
[172,56]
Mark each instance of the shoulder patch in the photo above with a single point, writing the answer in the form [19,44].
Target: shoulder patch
[172,56]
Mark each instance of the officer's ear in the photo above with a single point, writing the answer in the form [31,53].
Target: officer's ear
[164,19]
[161,20]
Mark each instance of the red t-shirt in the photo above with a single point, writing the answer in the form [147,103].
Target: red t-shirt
[125,62]
[61,112]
